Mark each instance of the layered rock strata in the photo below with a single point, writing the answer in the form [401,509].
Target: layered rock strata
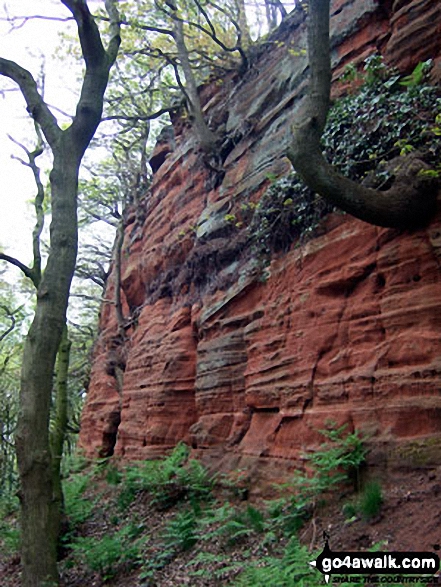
[246,365]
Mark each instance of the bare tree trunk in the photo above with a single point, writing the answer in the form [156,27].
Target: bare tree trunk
[117,249]
[58,435]
[206,137]
[35,274]
[245,37]
[409,203]
[39,531]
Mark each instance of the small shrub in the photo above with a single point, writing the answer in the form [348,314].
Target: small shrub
[107,554]
[196,480]
[371,500]
[231,523]
[106,467]
[101,556]
[288,514]
[181,532]
[113,476]
[339,458]
[77,508]
[73,463]
[350,511]
[368,127]
[209,565]
[288,211]
[155,563]
[9,537]
[168,480]
[336,462]
[291,569]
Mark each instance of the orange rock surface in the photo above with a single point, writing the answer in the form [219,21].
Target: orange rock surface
[345,327]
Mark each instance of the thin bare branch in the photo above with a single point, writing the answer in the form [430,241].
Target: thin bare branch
[140,117]
[38,202]
[11,317]
[18,22]
[13,261]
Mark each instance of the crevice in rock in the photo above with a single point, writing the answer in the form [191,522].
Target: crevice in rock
[266,410]
[110,434]
[115,367]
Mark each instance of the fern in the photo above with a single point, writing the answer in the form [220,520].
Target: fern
[181,532]
[77,508]
[107,554]
[168,480]
[292,569]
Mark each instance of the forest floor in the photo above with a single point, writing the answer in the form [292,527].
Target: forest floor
[125,537]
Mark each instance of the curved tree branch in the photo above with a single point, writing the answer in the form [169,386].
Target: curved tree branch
[35,271]
[98,63]
[36,106]
[409,203]
[27,271]
[141,117]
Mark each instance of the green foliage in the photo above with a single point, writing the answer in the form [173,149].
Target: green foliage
[363,132]
[107,554]
[288,514]
[199,522]
[350,511]
[291,569]
[113,476]
[168,480]
[336,462]
[77,507]
[10,539]
[375,124]
[418,75]
[74,463]
[234,524]
[13,321]
[375,69]
[371,500]
[9,529]
[339,458]
[207,564]
[181,532]
[287,212]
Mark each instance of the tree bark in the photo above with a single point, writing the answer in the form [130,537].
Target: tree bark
[409,203]
[58,434]
[117,250]
[245,37]
[38,529]
[206,137]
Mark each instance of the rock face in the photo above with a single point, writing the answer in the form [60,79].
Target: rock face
[345,327]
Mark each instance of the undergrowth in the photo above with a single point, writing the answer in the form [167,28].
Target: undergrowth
[200,518]
[177,515]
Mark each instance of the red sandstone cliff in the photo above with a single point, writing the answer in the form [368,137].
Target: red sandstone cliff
[346,327]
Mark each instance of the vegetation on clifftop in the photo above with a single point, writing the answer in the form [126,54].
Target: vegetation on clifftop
[370,136]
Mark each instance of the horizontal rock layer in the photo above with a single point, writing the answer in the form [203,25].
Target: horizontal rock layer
[344,328]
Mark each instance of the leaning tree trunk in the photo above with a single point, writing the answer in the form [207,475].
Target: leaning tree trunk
[409,203]
[206,137]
